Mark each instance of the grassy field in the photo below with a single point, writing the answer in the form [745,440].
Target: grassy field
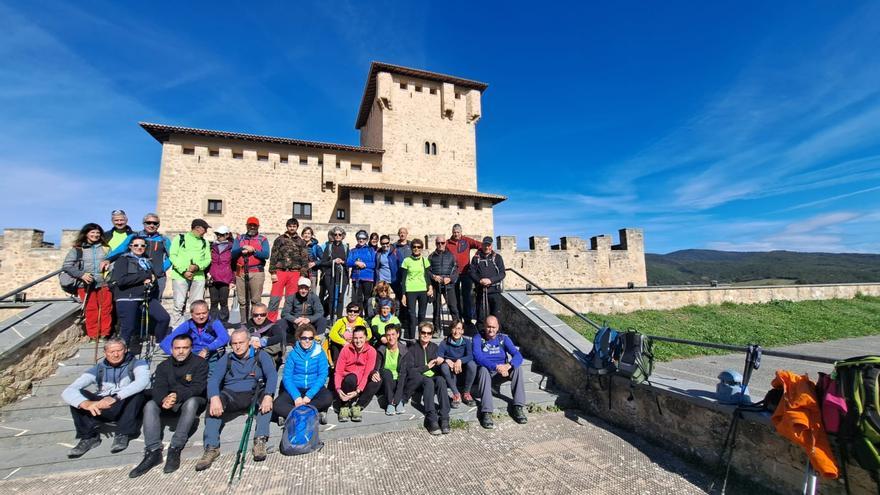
[770,324]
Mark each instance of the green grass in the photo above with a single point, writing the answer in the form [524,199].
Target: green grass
[771,324]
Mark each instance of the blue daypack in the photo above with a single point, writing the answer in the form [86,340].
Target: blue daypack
[301,431]
[606,351]
[729,389]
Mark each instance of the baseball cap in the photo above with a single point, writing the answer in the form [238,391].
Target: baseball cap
[487,240]
[305,281]
[221,230]
[253,221]
[386,303]
[198,222]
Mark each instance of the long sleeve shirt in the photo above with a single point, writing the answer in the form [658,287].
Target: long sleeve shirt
[187,378]
[212,336]
[361,364]
[491,353]
[240,377]
[115,380]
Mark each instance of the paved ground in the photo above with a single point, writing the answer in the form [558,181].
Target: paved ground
[552,454]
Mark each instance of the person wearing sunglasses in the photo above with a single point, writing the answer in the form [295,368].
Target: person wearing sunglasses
[266,334]
[158,249]
[221,278]
[416,286]
[443,270]
[362,262]
[421,371]
[120,230]
[305,372]
[334,272]
[133,279]
[341,331]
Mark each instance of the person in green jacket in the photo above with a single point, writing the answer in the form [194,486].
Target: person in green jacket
[190,256]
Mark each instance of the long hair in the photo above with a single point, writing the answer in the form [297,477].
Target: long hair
[81,237]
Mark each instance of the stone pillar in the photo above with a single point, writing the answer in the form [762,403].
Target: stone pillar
[505,243]
[538,243]
[572,243]
[447,100]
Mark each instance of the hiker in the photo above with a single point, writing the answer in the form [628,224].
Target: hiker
[134,280]
[190,256]
[265,334]
[362,262]
[120,230]
[179,386]
[386,271]
[381,321]
[158,249]
[389,361]
[374,241]
[334,272]
[209,337]
[458,360]
[119,381]
[381,291]
[400,250]
[355,387]
[220,276]
[249,254]
[341,332]
[421,369]
[242,377]
[443,270]
[415,284]
[497,356]
[460,246]
[305,372]
[487,272]
[289,260]
[315,252]
[86,261]
[304,308]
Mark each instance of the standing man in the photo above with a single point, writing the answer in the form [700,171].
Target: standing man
[249,254]
[443,270]
[362,261]
[487,272]
[496,355]
[114,236]
[460,247]
[288,261]
[190,255]
[334,273]
[158,249]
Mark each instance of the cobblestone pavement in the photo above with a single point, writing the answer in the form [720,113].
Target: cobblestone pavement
[555,453]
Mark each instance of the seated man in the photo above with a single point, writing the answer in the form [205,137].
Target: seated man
[305,373]
[458,359]
[304,307]
[354,386]
[178,391]
[389,361]
[265,334]
[421,368]
[491,352]
[209,337]
[119,381]
[241,376]
[382,319]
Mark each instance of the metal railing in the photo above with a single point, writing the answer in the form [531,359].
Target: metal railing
[29,285]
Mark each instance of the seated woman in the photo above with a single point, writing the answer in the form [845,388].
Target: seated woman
[340,333]
[458,359]
[382,320]
[305,373]
[134,282]
[380,292]
[355,379]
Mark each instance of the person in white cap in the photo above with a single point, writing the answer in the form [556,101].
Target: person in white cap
[220,275]
[303,307]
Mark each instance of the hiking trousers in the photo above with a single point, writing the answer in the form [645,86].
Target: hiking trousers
[430,386]
[98,311]
[469,370]
[187,414]
[417,303]
[125,413]
[517,387]
[286,286]
[184,293]
[256,290]
[349,384]
[284,403]
[449,297]
[219,301]
[235,404]
[129,316]
[391,388]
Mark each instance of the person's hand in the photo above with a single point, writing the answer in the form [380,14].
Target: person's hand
[503,369]
[447,280]
[375,377]
[90,406]
[87,278]
[302,320]
[436,278]
[383,339]
[360,264]
[435,362]
[188,275]
[248,250]
[430,292]
[485,282]
[306,400]
[169,401]
[203,354]
[266,405]
[311,264]
[103,266]
[457,367]
[255,342]
[403,300]
[298,402]
[274,277]
[216,409]
[106,402]
[339,261]
[232,286]
[450,363]
[193,267]
[345,397]
[148,281]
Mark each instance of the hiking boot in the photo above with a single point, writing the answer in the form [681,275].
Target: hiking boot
[172,460]
[486,421]
[344,414]
[211,454]
[356,415]
[120,443]
[260,450]
[444,426]
[151,459]
[389,410]
[456,401]
[323,418]
[434,428]
[519,415]
[84,445]
[400,408]
[468,399]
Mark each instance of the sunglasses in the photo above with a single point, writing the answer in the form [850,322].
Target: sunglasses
[417,247]
[307,339]
[352,311]
[337,235]
[151,223]
[259,315]
[386,244]
[426,333]
[138,245]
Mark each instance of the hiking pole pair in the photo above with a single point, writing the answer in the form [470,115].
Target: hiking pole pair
[247,290]
[241,453]
[145,326]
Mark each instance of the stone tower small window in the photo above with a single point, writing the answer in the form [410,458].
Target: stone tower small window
[356,166]
[418,89]
[389,199]
[189,151]
[340,214]
[426,202]
[461,205]
[213,152]
[478,205]
[403,85]
[302,211]
[368,199]
[427,148]
[444,203]
[433,91]
[433,148]
[215,206]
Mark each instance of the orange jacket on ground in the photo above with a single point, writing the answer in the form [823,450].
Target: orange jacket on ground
[798,419]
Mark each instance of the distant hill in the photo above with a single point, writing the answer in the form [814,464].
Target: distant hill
[699,266]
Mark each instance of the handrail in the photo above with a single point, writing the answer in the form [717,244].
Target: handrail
[29,285]
[672,340]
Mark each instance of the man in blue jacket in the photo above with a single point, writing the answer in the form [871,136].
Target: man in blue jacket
[496,355]
[362,261]
[241,376]
[158,249]
[209,338]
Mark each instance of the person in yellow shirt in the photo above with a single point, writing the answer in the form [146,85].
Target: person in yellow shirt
[340,332]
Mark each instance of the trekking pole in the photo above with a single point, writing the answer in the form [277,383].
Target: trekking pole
[247,291]
[241,453]
[335,294]
[145,325]
[809,479]
[82,308]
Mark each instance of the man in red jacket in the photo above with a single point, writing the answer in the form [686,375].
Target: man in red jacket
[460,247]
[354,385]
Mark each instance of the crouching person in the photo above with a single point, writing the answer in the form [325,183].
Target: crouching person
[119,381]
[178,391]
[389,368]
[354,385]
[305,373]
[491,351]
[458,359]
[240,377]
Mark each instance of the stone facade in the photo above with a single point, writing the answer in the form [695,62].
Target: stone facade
[24,256]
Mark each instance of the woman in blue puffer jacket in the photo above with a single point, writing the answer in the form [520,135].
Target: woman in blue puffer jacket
[305,373]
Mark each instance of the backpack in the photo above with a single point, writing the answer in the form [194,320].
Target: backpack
[729,389]
[99,377]
[181,241]
[300,434]
[637,357]
[859,383]
[602,360]
[68,283]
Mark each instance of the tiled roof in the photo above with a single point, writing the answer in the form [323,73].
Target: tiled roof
[495,198]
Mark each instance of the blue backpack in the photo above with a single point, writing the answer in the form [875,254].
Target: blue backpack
[301,432]
[606,352]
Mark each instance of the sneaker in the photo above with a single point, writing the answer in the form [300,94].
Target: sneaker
[444,426]
[120,443]
[211,454]
[260,449]
[519,415]
[356,415]
[389,410]
[486,421]
[401,407]
[151,459]
[456,401]
[84,445]
[323,418]
[344,414]
[468,399]
[434,428]
[172,460]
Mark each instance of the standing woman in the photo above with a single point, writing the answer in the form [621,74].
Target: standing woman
[87,262]
[315,253]
[134,278]
[416,286]
[374,241]
[220,275]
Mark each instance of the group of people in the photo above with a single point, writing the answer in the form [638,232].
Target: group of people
[381,345]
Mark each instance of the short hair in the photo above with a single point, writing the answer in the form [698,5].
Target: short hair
[114,340]
[455,322]
[392,326]
[259,305]
[456,226]
[384,237]
[240,330]
[292,221]
[309,229]
[418,242]
[426,324]
[359,328]
[353,305]
[305,327]
[182,336]
[197,303]
[150,215]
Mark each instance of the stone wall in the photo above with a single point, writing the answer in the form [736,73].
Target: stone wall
[616,301]
[24,257]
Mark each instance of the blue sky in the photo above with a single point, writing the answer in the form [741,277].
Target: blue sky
[736,126]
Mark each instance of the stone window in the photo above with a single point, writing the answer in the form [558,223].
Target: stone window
[461,205]
[189,151]
[237,155]
[418,89]
[215,207]
[368,199]
[303,160]
[320,161]
[356,166]
[213,152]
[403,85]
[282,158]
[457,95]
[340,214]
[478,205]
[389,199]
[426,202]
[302,211]
[433,91]
[377,167]
[444,203]
[433,148]
[261,157]
[427,148]
[407,200]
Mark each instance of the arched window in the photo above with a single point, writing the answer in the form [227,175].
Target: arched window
[427,148]
[433,148]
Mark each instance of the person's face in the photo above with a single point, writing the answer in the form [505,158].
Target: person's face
[181,349]
[253,229]
[456,234]
[222,237]
[385,311]
[114,353]
[383,244]
[352,314]
[151,225]
[491,327]
[391,337]
[259,315]
[358,339]
[457,331]
[119,221]
[337,237]
[383,292]
[291,228]
[487,248]
[362,241]
[307,235]
[93,236]
[306,339]
[240,343]
[303,290]
[441,245]
[138,247]
[425,335]
[199,231]
[374,241]
[417,250]
[401,234]
[199,314]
